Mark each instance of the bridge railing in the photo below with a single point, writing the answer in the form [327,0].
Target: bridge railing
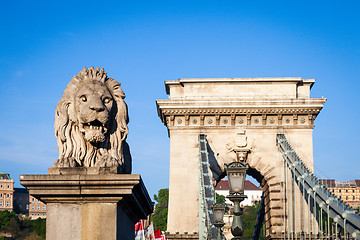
[319,199]
[206,193]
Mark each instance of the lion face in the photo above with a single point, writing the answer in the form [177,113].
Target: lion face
[91,122]
[92,106]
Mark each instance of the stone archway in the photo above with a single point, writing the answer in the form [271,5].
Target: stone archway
[222,108]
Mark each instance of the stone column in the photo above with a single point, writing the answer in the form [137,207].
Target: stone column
[90,203]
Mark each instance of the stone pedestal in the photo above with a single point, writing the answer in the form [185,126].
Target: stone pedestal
[90,204]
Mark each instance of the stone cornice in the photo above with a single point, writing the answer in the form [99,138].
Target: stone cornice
[241,102]
[243,111]
[251,113]
[127,190]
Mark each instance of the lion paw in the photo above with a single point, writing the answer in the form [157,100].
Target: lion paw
[106,162]
[65,162]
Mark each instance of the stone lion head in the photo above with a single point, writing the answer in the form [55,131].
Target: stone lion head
[91,122]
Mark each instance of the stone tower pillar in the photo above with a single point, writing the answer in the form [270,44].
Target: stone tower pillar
[222,108]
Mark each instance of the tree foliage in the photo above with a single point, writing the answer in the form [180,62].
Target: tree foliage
[159,218]
[20,228]
[220,198]
[13,226]
[5,217]
[249,219]
[40,227]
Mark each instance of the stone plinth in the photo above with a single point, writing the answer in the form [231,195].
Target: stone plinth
[91,206]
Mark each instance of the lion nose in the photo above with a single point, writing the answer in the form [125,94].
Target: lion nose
[98,108]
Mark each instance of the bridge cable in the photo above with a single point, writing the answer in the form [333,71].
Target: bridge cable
[318,196]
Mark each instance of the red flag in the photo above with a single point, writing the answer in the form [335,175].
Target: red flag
[138,226]
[157,234]
[139,231]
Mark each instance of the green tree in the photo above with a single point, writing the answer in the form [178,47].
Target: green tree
[249,219]
[22,228]
[27,222]
[5,217]
[13,226]
[39,226]
[220,198]
[159,217]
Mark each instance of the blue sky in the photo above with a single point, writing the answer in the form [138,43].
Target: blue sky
[142,43]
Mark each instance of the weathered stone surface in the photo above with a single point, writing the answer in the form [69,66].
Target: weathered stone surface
[88,221]
[63,216]
[84,170]
[221,109]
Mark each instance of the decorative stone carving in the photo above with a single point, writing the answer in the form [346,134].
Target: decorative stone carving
[239,146]
[202,117]
[91,123]
[241,154]
[241,139]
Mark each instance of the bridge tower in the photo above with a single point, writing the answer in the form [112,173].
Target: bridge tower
[236,113]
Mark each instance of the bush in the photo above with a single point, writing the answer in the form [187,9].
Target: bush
[39,226]
[10,223]
[13,226]
[5,217]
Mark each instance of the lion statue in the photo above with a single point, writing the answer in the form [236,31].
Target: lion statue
[91,123]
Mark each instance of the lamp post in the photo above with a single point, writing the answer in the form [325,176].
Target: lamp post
[219,211]
[236,172]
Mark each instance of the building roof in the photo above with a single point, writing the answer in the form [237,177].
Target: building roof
[4,175]
[224,185]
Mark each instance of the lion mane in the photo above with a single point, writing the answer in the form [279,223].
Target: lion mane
[107,148]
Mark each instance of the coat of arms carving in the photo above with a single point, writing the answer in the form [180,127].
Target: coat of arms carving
[241,139]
